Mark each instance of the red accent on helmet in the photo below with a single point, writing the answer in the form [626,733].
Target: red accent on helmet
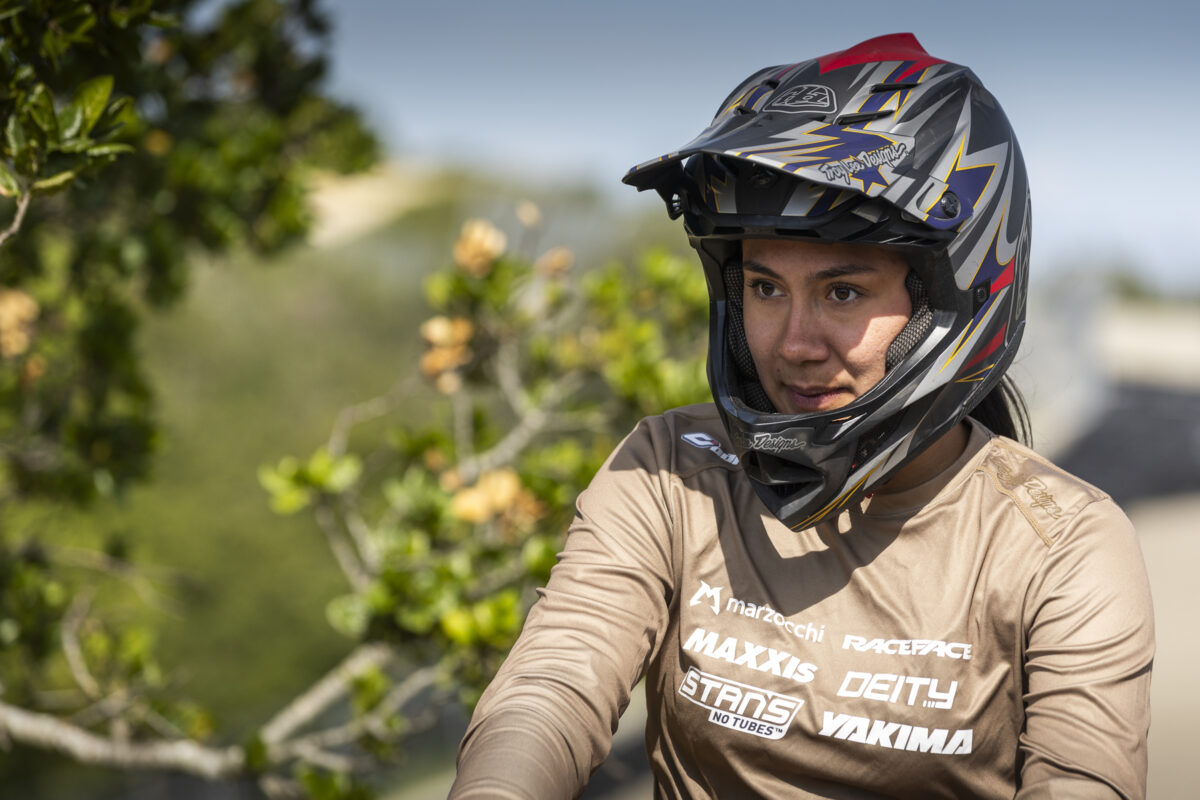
[892,47]
[1005,278]
[992,346]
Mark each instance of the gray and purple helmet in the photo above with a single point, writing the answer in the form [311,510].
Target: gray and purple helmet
[879,144]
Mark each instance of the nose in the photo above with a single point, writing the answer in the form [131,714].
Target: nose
[803,337]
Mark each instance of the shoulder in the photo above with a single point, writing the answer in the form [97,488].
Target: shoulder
[1052,501]
[683,441]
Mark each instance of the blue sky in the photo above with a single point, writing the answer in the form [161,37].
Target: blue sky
[1104,96]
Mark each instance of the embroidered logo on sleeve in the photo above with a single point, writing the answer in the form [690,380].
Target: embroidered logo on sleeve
[740,706]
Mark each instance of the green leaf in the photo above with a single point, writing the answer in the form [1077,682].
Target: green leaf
[348,615]
[257,759]
[70,121]
[344,473]
[290,500]
[14,136]
[41,109]
[459,625]
[110,149]
[56,181]
[9,187]
[91,99]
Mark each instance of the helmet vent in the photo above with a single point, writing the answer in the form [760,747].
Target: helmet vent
[866,116]
[893,87]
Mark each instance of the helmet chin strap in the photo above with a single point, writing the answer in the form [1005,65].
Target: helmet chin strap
[749,388]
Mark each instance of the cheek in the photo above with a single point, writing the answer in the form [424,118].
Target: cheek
[867,356]
[759,331]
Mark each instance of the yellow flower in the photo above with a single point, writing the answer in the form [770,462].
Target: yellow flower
[554,262]
[493,494]
[447,332]
[158,142]
[443,359]
[450,480]
[478,247]
[448,383]
[529,214]
[471,505]
[17,312]
[501,486]
[33,369]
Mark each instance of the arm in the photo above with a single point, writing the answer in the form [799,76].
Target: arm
[1089,653]
[546,721]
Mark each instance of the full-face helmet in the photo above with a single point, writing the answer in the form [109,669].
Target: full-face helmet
[879,144]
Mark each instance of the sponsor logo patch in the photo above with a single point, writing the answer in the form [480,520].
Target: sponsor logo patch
[706,442]
[805,631]
[741,653]
[897,736]
[740,706]
[712,593]
[809,97]
[907,689]
[908,647]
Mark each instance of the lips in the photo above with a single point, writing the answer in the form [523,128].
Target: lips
[807,399]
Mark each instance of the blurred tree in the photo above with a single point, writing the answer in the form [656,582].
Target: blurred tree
[137,136]
[137,139]
[444,529]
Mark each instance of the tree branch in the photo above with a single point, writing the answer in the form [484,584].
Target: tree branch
[325,692]
[51,733]
[354,415]
[528,427]
[342,550]
[70,644]
[22,206]
[395,699]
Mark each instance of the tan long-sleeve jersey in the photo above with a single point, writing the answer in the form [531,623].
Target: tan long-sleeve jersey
[986,634]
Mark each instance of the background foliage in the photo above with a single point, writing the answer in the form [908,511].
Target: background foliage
[144,139]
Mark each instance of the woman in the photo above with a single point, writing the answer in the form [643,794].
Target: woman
[843,578]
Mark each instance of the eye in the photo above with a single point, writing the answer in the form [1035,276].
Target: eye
[763,288]
[844,294]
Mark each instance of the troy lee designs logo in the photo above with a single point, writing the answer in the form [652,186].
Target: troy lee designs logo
[740,706]
[809,97]
[844,169]
[769,442]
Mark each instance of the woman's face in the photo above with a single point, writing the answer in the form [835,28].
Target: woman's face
[819,319]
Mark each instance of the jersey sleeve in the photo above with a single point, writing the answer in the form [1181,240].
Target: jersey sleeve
[1089,652]
[546,721]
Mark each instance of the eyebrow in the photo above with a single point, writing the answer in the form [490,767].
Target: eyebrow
[836,271]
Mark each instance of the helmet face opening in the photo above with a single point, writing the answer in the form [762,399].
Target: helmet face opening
[880,144]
